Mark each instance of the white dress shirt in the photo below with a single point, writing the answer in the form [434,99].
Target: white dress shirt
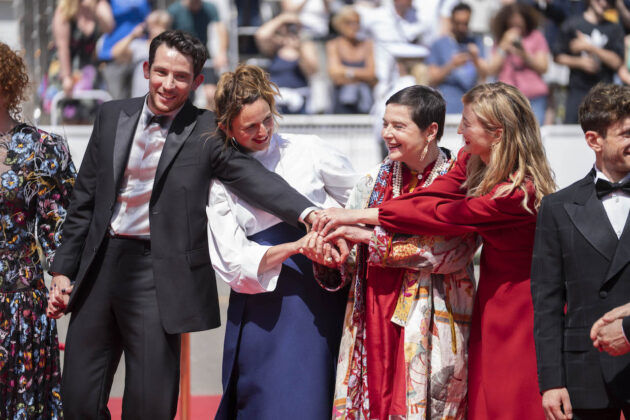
[131,212]
[309,165]
[616,204]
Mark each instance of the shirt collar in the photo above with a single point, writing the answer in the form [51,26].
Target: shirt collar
[600,175]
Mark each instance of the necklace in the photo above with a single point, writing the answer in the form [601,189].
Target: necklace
[441,166]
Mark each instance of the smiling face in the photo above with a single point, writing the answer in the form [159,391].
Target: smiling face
[478,140]
[612,152]
[171,80]
[253,126]
[403,138]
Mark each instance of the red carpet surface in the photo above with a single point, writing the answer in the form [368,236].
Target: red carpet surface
[202,407]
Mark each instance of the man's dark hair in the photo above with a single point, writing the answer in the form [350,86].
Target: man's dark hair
[426,105]
[461,7]
[605,104]
[183,42]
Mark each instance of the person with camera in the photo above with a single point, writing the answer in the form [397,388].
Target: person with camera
[592,47]
[520,57]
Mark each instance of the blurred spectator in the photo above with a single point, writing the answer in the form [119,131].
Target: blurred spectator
[624,70]
[397,23]
[350,64]
[407,57]
[521,54]
[134,48]
[127,14]
[293,61]
[248,13]
[456,60]
[482,12]
[314,15]
[76,27]
[592,48]
[623,11]
[196,17]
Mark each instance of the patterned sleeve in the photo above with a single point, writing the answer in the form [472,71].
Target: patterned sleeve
[55,175]
[437,254]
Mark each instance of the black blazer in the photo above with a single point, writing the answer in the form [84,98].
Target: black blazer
[184,279]
[578,261]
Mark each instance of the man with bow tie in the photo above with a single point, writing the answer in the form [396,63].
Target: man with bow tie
[581,271]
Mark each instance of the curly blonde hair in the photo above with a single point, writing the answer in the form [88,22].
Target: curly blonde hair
[243,86]
[519,156]
[13,80]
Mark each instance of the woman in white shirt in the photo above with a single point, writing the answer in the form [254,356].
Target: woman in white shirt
[283,330]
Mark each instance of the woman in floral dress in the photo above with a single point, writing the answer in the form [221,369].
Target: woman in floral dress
[36,179]
[404,346]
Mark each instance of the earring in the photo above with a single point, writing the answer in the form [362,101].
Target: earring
[423,154]
[233,142]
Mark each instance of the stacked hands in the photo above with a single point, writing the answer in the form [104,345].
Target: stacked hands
[334,231]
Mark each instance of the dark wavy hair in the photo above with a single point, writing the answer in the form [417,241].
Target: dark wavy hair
[605,104]
[13,80]
[500,22]
[183,42]
[426,104]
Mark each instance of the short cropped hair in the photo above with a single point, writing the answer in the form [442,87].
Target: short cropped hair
[426,105]
[183,42]
[604,105]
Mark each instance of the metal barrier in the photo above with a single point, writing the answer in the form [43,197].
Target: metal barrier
[97,95]
[355,136]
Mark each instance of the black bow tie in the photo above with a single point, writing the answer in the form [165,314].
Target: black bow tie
[160,120]
[603,187]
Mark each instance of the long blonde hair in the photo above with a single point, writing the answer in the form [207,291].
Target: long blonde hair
[519,156]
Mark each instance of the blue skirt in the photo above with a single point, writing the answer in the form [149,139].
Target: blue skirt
[281,347]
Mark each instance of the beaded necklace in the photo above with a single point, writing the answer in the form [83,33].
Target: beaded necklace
[441,166]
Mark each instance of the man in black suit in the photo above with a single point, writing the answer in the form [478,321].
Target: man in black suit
[135,248]
[581,270]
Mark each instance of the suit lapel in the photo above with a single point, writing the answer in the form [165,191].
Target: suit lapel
[589,216]
[181,128]
[127,121]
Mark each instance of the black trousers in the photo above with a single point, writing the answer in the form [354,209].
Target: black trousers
[118,313]
[602,414]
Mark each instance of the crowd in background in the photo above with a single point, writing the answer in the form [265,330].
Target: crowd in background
[348,56]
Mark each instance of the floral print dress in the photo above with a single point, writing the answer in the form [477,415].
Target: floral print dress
[36,178]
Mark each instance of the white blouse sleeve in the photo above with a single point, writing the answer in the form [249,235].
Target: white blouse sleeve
[235,258]
[336,171]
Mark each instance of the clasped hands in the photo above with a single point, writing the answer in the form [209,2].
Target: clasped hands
[334,232]
[607,332]
[60,289]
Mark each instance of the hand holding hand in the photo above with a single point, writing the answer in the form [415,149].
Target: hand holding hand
[557,404]
[60,289]
[330,218]
[609,337]
[352,233]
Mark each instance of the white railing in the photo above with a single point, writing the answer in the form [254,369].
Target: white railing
[355,136]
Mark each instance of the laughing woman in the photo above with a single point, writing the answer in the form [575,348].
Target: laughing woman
[404,344]
[283,331]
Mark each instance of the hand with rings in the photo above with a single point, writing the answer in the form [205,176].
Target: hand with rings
[316,249]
